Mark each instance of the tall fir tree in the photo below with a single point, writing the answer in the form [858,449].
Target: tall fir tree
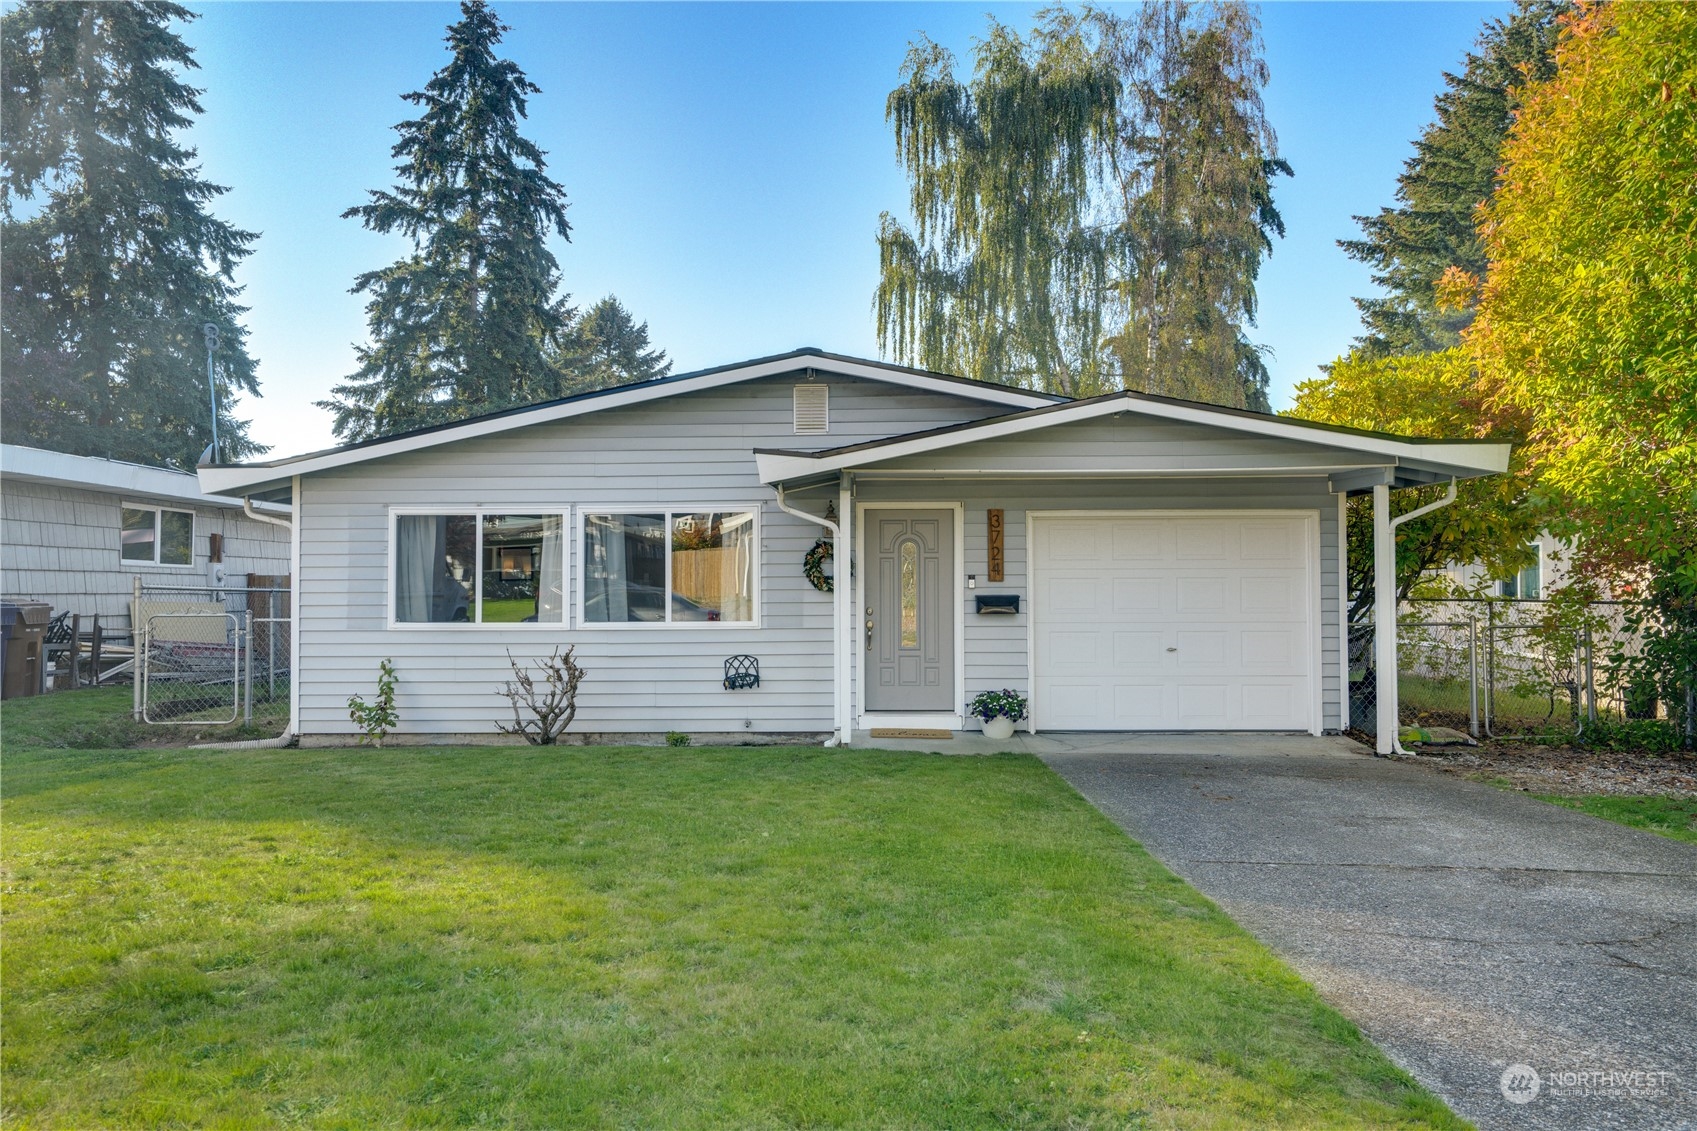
[1195,165]
[113,262]
[466,323]
[1453,172]
[606,346]
[1091,210]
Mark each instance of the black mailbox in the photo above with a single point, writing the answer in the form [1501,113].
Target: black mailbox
[998,602]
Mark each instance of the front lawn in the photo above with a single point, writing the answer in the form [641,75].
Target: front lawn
[640,937]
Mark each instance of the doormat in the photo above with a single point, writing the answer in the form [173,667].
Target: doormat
[910,732]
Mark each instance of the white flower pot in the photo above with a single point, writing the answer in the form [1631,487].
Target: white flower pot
[999,728]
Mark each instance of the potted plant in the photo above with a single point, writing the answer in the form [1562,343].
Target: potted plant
[999,711]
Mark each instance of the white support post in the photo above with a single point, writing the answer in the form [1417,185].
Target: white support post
[842,573]
[1384,620]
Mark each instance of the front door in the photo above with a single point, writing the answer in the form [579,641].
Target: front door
[909,623]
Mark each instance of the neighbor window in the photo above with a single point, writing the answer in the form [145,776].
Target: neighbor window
[479,568]
[669,567]
[1529,582]
[157,536]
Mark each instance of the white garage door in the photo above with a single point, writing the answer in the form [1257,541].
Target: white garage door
[1173,623]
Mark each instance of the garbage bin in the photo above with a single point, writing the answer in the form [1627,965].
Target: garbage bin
[23,644]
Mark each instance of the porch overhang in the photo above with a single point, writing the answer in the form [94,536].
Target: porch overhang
[1353,461]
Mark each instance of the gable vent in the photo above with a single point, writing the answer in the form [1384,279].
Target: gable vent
[812,409]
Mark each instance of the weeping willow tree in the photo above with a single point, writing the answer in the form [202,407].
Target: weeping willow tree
[1091,210]
[1007,273]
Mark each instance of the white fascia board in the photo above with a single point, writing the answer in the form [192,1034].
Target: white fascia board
[132,480]
[1477,459]
[239,478]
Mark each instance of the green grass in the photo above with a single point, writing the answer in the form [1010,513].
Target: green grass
[509,610]
[638,937]
[98,718]
[1673,817]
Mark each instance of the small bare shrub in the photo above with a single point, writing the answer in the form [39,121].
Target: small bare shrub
[551,701]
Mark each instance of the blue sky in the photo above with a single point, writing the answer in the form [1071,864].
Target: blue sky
[727,163]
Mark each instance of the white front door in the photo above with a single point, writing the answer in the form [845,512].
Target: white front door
[1175,622]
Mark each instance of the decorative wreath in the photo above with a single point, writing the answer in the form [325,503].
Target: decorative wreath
[813,565]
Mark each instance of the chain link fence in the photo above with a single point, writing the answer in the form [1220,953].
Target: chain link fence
[211,655]
[1502,667]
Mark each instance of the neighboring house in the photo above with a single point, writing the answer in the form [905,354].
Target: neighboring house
[1535,581]
[1176,563]
[75,531]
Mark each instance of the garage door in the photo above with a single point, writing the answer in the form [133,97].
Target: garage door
[1173,623]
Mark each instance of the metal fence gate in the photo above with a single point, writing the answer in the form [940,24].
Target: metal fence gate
[212,656]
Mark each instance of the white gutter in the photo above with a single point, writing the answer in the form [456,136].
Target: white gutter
[1386,740]
[247,509]
[839,709]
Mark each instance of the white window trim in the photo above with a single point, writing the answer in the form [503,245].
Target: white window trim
[670,512]
[158,528]
[563,513]
[1519,594]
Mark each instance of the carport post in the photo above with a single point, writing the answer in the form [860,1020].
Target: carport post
[1384,621]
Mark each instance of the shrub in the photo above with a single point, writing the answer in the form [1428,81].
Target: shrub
[378,718]
[551,703]
[676,738]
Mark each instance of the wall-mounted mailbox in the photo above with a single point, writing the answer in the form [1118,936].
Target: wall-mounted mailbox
[997,602]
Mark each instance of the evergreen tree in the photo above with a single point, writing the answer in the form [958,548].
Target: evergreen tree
[113,262]
[1195,166]
[465,324]
[605,347]
[1453,171]
[1091,210]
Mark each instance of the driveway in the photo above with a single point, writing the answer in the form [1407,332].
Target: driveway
[1464,929]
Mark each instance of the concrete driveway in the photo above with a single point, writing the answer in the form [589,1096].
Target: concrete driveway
[1465,929]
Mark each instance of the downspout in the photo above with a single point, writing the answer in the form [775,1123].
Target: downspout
[1384,612]
[247,509]
[838,708]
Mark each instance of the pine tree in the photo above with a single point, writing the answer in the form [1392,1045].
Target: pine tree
[606,347]
[1453,172]
[464,325]
[1091,210]
[112,262]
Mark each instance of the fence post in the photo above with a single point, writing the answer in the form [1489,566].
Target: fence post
[271,646]
[138,640]
[1590,677]
[1490,665]
[247,668]
[1472,677]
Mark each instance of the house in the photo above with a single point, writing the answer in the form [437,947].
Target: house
[1130,561]
[75,531]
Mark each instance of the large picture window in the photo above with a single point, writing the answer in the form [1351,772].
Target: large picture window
[669,567]
[479,568]
[156,536]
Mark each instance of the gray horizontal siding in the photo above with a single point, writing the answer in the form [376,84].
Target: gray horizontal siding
[997,645]
[689,450]
[1129,443]
[61,545]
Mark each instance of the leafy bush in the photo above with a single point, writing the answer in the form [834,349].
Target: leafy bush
[1641,736]
[378,718]
[989,704]
[676,738]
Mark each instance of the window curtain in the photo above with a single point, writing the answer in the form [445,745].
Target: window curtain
[421,553]
[550,579]
[605,594]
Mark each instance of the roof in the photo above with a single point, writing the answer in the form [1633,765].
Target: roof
[1427,459]
[248,477]
[92,473]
